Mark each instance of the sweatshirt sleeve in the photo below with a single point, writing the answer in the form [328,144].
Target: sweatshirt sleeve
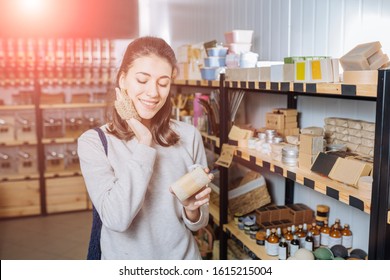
[116,189]
[199,155]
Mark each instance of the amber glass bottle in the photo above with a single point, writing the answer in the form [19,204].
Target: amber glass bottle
[316,235]
[334,236]
[301,235]
[273,243]
[288,235]
[324,233]
[336,222]
[309,241]
[283,249]
[294,245]
[346,237]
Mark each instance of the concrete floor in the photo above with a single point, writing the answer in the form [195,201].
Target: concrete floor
[52,237]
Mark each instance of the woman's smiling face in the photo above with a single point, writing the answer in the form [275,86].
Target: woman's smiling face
[148,82]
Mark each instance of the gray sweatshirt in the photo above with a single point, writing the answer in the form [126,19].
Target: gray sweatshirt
[130,190]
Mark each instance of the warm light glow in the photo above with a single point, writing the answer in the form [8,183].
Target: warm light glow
[33,7]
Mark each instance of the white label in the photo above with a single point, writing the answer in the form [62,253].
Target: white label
[302,242]
[308,245]
[282,253]
[324,239]
[346,241]
[273,249]
[334,241]
[294,248]
[316,241]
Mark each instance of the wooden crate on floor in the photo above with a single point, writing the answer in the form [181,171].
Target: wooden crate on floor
[19,198]
[66,194]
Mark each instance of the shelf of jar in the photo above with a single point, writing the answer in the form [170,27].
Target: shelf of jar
[205,83]
[62,173]
[358,198]
[369,90]
[233,231]
[17,143]
[210,138]
[18,177]
[59,140]
[73,105]
[16,107]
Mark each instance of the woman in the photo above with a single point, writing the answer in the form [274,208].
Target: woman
[130,186]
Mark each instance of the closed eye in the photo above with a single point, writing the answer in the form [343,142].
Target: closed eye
[142,81]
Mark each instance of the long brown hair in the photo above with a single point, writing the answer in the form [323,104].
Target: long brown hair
[160,124]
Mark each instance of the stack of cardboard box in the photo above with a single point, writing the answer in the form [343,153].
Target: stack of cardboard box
[309,147]
[283,120]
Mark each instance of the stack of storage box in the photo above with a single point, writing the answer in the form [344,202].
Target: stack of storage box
[309,147]
[283,120]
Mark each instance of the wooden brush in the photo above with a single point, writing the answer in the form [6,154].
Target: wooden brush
[125,107]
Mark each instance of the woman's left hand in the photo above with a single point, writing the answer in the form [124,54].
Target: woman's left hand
[194,202]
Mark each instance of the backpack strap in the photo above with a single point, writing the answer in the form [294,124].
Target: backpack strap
[103,138]
[94,250]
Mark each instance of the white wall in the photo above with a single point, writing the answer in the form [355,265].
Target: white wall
[284,28]
[281,27]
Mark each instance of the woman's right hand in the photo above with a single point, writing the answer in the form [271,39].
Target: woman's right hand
[142,133]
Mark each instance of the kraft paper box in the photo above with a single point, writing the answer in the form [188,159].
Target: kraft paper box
[274,121]
[321,71]
[349,171]
[282,73]
[311,144]
[236,74]
[285,111]
[305,161]
[258,74]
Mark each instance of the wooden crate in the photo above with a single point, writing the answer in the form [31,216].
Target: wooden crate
[66,194]
[19,198]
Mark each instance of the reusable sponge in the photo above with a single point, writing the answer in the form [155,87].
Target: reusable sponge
[125,107]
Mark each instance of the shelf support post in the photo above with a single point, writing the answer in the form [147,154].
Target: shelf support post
[379,245]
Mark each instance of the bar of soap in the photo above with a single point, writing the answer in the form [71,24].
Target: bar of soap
[379,62]
[357,58]
[354,63]
[366,50]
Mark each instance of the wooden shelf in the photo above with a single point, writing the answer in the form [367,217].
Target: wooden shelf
[309,88]
[18,177]
[72,105]
[214,212]
[346,194]
[210,138]
[18,143]
[58,140]
[203,83]
[16,107]
[237,234]
[65,173]
[232,229]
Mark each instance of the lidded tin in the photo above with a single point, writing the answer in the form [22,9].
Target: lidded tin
[322,214]
[290,155]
